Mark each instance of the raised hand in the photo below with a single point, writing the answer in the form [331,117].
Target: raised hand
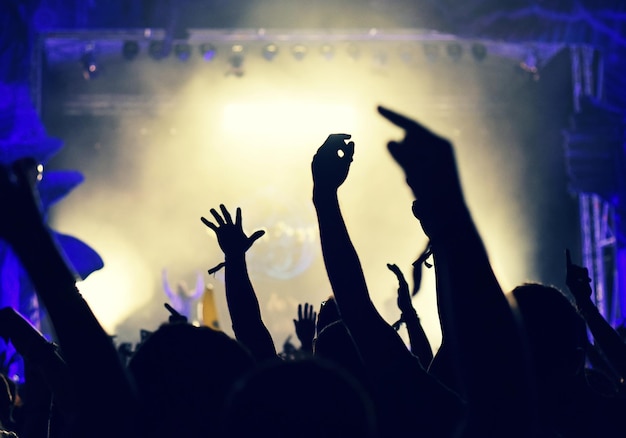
[577,280]
[428,162]
[305,326]
[404,296]
[331,162]
[230,235]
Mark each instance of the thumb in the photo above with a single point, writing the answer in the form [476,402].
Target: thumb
[256,235]
[397,151]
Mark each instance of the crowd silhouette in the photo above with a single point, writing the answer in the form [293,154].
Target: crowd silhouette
[510,364]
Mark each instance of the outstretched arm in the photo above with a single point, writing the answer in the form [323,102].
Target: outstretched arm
[477,322]
[375,338]
[606,337]
[242,301]
[420,346]
[102,387]
[405,393]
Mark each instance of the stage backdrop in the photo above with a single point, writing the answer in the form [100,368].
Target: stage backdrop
[165,130]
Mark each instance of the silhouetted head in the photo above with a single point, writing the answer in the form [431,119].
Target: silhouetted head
[329,313]
[336,345]
[555,331]
[183,374]
[299,399]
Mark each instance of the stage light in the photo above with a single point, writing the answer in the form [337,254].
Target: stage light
[455,51]
[270,51]
[353,51]
[299,51]
[380,59]
[236,61]
[530,65]
[431,51]
[130,50]
[208,51]
[91,70]
[182,51]
[157,50]
[479,51]
[406,53]
[327,51]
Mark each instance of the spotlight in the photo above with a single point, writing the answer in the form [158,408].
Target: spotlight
[90,67]
[182,51]
[353,51]
[530,65]
[406,54]
[431,51]
[130,50]
[380,59]
[455,51]
[208,51]
[299,51]
[270,51]
[479,51]
[327,51]
[157,50]
[236,61]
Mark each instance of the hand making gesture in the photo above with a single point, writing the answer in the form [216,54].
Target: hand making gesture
[230,235]
[331,163]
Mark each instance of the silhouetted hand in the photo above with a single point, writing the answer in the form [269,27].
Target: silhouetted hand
[331,162]
[404,296]
[577,280]
[305,326]
[20,199]
[428,162]
[230,235]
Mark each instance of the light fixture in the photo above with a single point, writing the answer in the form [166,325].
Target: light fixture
[455,51]
[91,70]
[479,51]
[530,64]
[208,51]
[406,53]
[270,51]
[130,50]
[327,51]
[157,50]
[431,51]
[182,51]
[353,51]
[236,61]
[299,51]
[380,58]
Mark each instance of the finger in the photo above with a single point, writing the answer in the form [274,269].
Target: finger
[306,310]
[217,217]
[396,119]
[238,216]
[208,223]
[349,150]
[226,214]
[300,311]
[397,151]
[314,318]
[256,235]
[339,137]
[394,268]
